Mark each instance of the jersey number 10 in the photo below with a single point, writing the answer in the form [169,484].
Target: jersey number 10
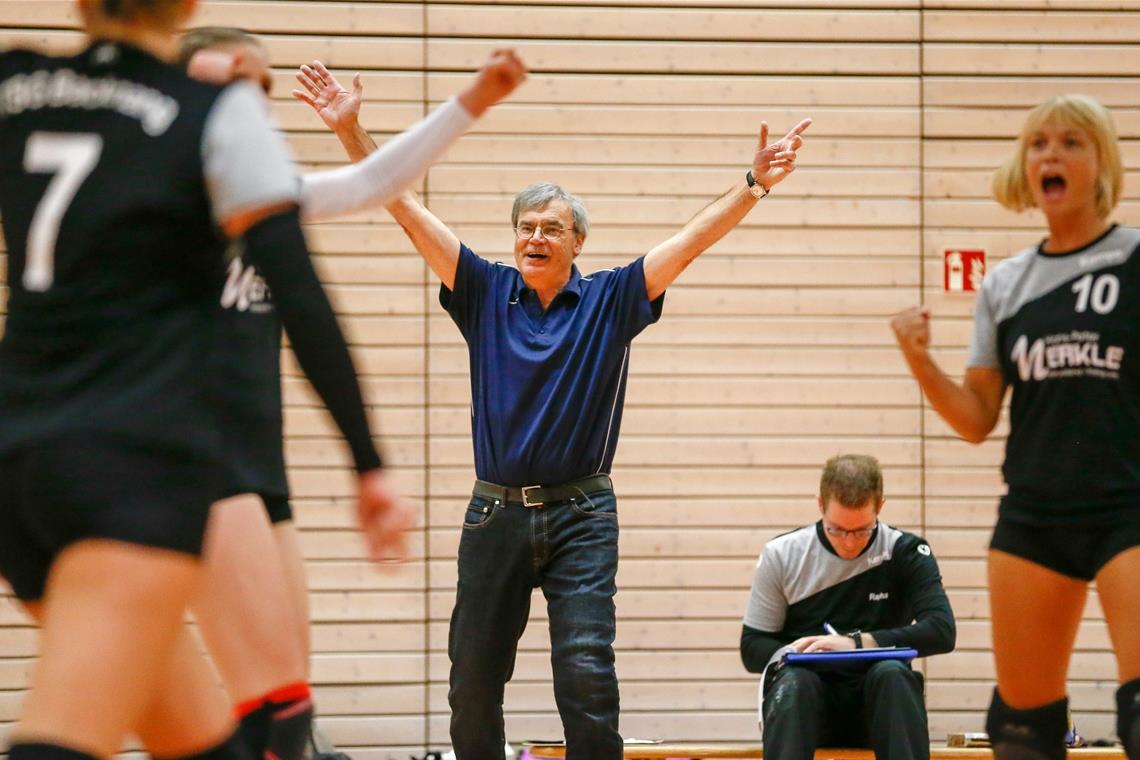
[1101,293]
[71,158]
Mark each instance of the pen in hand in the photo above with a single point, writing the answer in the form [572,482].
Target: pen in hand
[830,629]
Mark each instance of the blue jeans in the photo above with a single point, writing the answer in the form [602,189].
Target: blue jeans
[507,550]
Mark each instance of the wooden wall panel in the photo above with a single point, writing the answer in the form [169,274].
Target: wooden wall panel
[773,352]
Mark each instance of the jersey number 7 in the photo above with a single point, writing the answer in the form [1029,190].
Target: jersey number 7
[71,158]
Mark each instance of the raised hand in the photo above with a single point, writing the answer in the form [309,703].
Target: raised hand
[338,108]
[384,517]
[912,330]
[499,76]
[774,162]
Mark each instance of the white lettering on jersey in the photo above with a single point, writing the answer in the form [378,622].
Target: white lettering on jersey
[1071,354]
[245,290]
[66,89]
[878,596]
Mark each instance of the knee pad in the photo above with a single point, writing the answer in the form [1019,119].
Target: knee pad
[44,751]
[1034,734]
[1128,717]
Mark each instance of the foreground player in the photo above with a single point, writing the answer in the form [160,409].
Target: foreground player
[116,173]
[1057,323]
[254,569]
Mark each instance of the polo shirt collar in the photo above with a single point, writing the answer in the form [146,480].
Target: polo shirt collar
[573,285]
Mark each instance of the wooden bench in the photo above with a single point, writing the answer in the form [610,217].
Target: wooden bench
[703,751]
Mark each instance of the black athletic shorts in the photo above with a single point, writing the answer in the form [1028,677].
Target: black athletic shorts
[57,493]
[1078,551]
[277,505]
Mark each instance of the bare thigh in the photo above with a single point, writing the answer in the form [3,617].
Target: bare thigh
[111,615]
[245,610]
[1035,613]
[1118,584]
[289,549]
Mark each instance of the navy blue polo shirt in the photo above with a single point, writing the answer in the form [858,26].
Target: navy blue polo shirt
[547,387]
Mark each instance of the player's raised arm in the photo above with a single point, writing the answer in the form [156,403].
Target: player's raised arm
[384,173]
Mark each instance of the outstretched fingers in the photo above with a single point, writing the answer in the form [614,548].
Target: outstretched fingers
[763,142]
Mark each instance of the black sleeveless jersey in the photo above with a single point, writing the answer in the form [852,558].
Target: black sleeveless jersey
[1064,329]
[248,368]
[114,168]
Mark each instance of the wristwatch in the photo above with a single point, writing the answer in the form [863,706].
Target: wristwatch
[857,637]
[758,191]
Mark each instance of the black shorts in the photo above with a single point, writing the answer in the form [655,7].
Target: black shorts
[1078,551]
[56,493]
[277,505]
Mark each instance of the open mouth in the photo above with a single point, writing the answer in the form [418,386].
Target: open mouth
[536,256]
[1053,185]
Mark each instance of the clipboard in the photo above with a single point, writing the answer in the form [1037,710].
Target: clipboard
[849,659]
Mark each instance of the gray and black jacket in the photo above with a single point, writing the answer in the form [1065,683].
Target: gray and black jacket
[892,590]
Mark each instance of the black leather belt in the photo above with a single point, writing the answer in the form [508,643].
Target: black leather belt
[537,496]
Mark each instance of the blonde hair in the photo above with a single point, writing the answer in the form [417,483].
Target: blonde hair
[1011,186]
[165,12]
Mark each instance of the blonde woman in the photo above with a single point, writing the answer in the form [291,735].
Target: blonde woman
[1057,323]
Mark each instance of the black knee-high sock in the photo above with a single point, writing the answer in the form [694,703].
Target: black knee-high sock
[1128,717]
[45,751]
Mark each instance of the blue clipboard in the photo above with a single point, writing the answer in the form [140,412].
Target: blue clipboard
[850,659]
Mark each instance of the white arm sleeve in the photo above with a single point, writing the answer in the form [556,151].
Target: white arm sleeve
[245,161]
[386,173]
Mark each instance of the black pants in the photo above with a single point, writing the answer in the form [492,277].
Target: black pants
[881,708]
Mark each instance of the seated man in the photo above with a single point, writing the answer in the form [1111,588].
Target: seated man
[880,587]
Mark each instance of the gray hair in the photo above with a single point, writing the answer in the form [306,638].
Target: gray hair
[852,480]
[540,194]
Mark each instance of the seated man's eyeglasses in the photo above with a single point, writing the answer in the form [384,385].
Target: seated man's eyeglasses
[548,230]
[835,532]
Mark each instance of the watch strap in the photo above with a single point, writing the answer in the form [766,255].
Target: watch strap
[758,191]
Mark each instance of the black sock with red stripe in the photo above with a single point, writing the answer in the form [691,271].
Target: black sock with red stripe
[276,726]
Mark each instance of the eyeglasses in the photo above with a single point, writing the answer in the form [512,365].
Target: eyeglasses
[548,230]
[834,532]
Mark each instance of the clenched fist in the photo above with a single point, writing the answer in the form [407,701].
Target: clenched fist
[499,76]
[912,330]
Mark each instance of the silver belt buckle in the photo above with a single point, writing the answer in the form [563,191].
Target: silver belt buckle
[526,498]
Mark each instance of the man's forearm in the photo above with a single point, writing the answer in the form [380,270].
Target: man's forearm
[356,141]
[933,635]
[666,262]
[757,648]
